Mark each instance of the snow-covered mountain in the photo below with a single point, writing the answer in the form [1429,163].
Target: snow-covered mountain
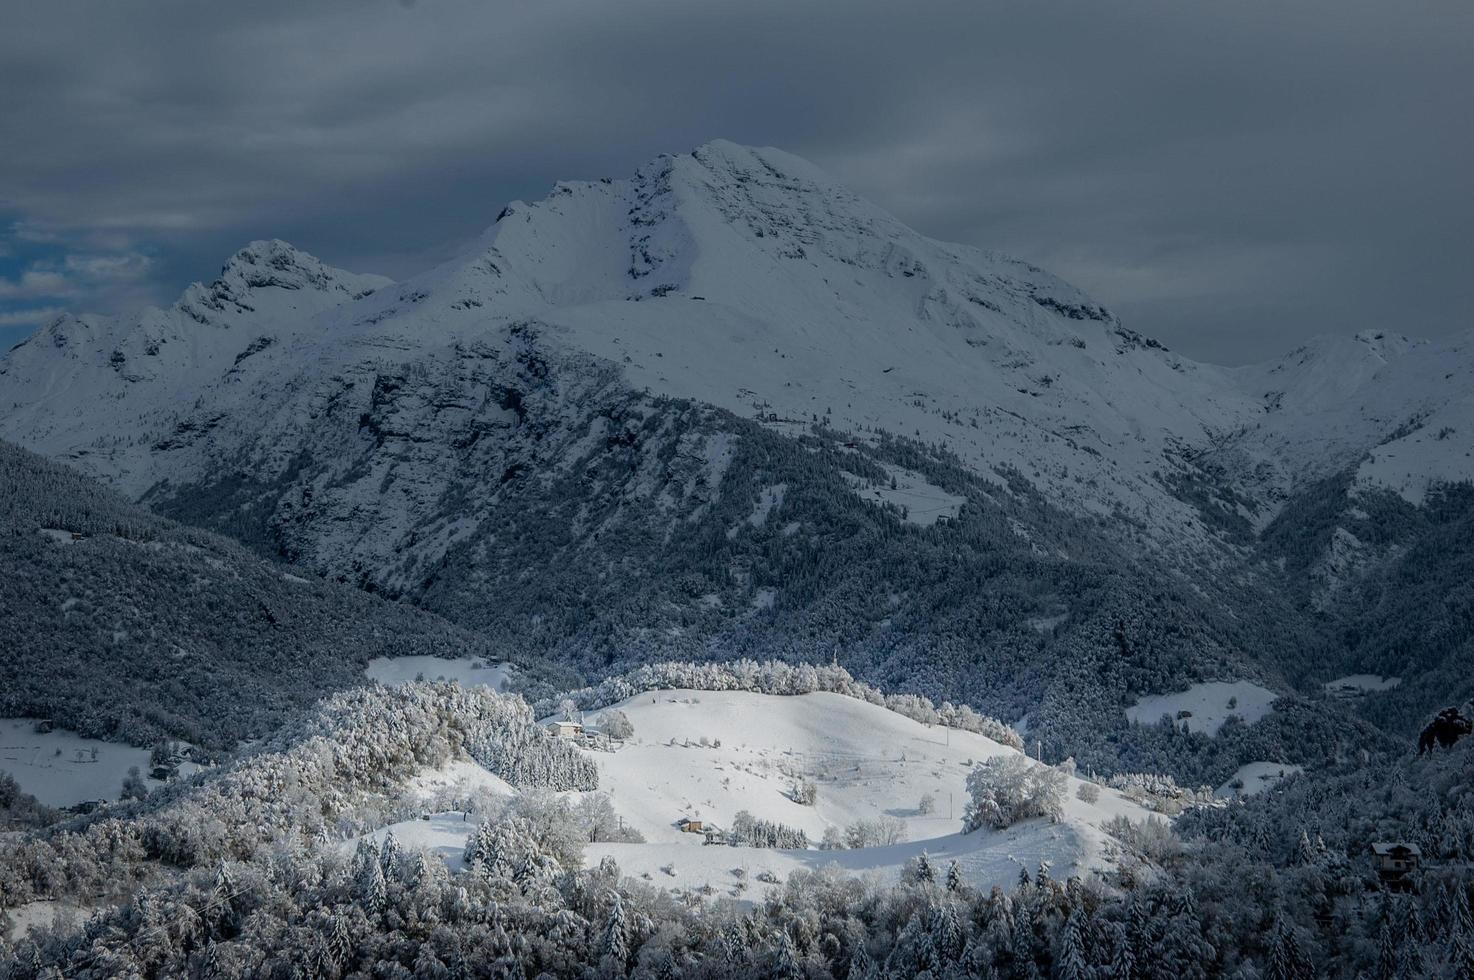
[749,280]
[658,411]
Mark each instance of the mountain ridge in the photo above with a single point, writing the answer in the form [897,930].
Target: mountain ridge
[564,437]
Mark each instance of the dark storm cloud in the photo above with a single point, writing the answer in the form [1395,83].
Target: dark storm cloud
[1231,177]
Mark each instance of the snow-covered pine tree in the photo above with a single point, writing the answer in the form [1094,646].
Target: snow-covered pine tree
[785,959]
[1070,962]
[614,940]
[925,873]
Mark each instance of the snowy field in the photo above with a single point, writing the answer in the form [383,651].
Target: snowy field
[59,767]
[1211,704]
[1354,685]
[441,834]
[1255,777]
[43,915]
[984,858]
[923,503]
[467,671]
[458,777]
[868,763]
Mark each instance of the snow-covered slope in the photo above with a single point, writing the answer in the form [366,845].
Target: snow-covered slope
[711,754]
[867,763]
[1400,411]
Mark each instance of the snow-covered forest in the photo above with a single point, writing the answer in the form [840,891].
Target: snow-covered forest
[229,875]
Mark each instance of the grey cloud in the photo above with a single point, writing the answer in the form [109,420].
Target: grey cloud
[1230,177]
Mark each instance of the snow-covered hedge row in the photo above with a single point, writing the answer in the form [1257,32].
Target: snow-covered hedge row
[779,678]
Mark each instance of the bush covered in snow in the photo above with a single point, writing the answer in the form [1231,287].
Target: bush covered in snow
[1160,792]
[880,832]
[1006,789]
[615,724]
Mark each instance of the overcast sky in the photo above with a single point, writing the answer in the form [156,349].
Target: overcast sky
[1230,177]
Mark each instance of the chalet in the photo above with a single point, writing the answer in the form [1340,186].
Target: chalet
[714,836]
[1396,861]
[690,826]
[565,729]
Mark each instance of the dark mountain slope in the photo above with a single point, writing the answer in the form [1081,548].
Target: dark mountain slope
[141,627]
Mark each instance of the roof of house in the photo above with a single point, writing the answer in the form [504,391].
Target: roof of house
[1388,848]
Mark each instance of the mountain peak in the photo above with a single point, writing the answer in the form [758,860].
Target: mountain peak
[269,264]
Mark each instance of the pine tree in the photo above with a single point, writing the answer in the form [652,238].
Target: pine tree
[614,945]
[734,943]
[1286,961]
[1304,850]
[371,890]
[389,856]
[925,873]
[340,943]
[1123,961]
[1071,963]
[1462,923]
[1462,958]
[946,932]
[1389,963]
[954,877]
[1022,943]
[785,959]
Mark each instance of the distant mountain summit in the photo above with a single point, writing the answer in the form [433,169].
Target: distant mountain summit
[637,417]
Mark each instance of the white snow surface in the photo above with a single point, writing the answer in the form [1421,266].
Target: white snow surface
[745,278]
[867,762]
[1354,684]
[1209,704]
[47,765]
[43,915]
[441,834]
[461,670]
[458,776]
[923,503]
[1255,777]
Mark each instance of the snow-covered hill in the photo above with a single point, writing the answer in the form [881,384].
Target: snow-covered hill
[710,754]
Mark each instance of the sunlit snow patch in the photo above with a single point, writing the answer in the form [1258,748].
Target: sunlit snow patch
[921,502]
[62,768]
[1255,777]
[1356,684]
[1205,707]
[466,671]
